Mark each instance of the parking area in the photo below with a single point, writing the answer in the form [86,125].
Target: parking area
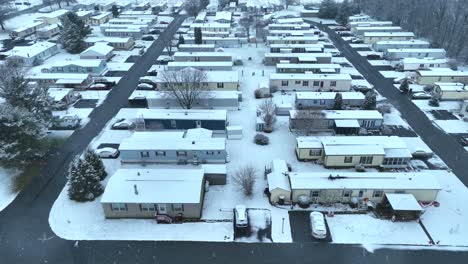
[86,103]
[301,230]
[258,228]
[443,115]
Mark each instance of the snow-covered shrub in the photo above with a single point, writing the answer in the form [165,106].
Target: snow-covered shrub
[245,179]
[384,108]
[260,139]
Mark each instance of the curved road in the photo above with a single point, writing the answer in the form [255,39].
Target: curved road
[25,235]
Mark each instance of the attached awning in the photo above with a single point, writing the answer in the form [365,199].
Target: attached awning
[347,123]
[403,202]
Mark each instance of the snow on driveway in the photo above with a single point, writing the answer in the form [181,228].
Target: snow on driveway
[6,185]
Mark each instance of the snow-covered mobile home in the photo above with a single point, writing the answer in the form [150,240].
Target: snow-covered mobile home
[309,82]
[400,44]
[451,91]
[413,64]
[200,65]
[308,68]
[326,100]
[397,54]
[292,40]
[441,75]
[359,31]
[271,59]
[202,56]
[371,37]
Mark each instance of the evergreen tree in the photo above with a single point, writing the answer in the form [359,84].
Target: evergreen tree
[204,3]
[92,158]
[181,40]
[115,11]
[328,9]
[344,11]
[198,36]
[73,30]
[404,87]
[370,101]
[84,182]
[338,104]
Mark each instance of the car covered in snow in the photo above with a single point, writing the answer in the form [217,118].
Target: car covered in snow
[240,212]
[317,225]
[145,86]
[123,124]
[421,95]
[98,86]
[107,152]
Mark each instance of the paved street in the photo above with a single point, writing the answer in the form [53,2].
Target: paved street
[25,235]
[444,145]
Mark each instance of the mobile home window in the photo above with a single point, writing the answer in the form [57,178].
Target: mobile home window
[316,83]
[181,153]
[377,193]
[144,154]
[210,153]
[147,207]
[220,85]
[347,193]
[333,83]
[178,207]
[284,83]
[366,160]
[119,207]
[173,124]
[361,193]
[297,82]
[314,194]
[305,83]
[315,152]
[348,159]
[160,153]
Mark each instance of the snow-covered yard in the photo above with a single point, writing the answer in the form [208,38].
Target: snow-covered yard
[7,195]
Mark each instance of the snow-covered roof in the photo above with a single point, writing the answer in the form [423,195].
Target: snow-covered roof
[329,95]
[161,142]
[102,15]
[300,56]
[451,87]
[445,72]
[180,114]
[210,25]
[200,63]
[55,14]
[309,143]
[345,114]
[154,186]
[403,202]
[30,51]
[57,94]
[34,24]
[347,123]
[223,15]
[369,23]
[402,42]
[292,38]
[68,76]
[423,60]
[295,20]
[368,180]
[202,54]
[300,25]
[84,13]
[370,28]
[353,150]
[48,27]
[277,178]
[81,63]
[214,168]
[196,133]
[388,34]
[99,48]
[126,28]
[307,66]
[309,76]
[201,16]
[107,39]
[197,46]
[426,50]
[289,45]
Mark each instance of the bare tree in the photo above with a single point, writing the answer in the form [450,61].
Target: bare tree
[5,9]
[268,112]
[192,7]
[246,22]
[245,179]
[168,46]
[308,121]
[186,86]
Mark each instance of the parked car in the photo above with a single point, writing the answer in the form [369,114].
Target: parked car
[139,46]
[155,31]
[344,33]
[421,95]
[464,140]
[98,86]
[107,152]
[373,56]
[147,38]
[123,124]
[317,224]
[357,41]
[241,216]
[145,86]
[340,28]
[67,122]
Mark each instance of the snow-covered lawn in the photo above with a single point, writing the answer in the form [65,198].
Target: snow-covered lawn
[364,53]
[443,105]
[7,195]
[367,229]
[94,95]
[452,126]
[359,45]
[392,74]
[82,113]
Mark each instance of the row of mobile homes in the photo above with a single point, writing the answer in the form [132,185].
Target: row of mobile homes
[308,68]
[173,148]
[25,31]
[309,82]
[339,121]
[175,119]
[224,42]
[213,81]
[326,188]
[32,55]
[200,65]
[359,31]
[74,80]
[384,45]
[196,48]
[202,56]
[117,43]
[354,25]
[144,193]
[211,27]
[350,151]
[451,91]
[397,54]
[413,64]
[359,18]
[441,75]
[99,51]
[100,19]
[93,67]
[275,26]
[228,100]
[371,37]
[292,40]
[326,100]
[272,59]
[48,31]
[296,48]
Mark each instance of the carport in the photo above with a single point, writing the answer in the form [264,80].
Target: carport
[402,206]
[350,126]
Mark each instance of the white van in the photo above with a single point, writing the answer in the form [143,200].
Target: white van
[317,224]
[241,216]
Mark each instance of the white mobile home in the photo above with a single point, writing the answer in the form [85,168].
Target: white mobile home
[294,33]
[359,18]
[309,82]
[275,58]
[451,91]
[354,25]
[53,17]
[102,18]
[413,64]
[99,51]
[292,40]
[214,81]
[223,17]
[308,68]
[323,187]
[202,56]
[275,26]
[66,80]
[441,75]
[278,182]
[48,31]
[326,100]
[196,48]
[117,43]
[134,33]
[225,42]
[296,48]
[371,37]
[34,54]
[400,44]
[397,54]
[27,30]
[212,27]
[200,65]
[359,31]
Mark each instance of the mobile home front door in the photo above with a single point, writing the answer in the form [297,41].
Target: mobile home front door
[162,209]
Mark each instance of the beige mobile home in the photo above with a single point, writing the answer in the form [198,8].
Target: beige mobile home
[215,81]
[397,54]
[451,91]
[309,82]
[323,187]
[202,56]
[145,193]
[413,64]
[441,75]
[292,40]
[308,68]
[400,44]
[362,29]
[278,182]
[302,26]
[274,58]
[200,65]
[371,37]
